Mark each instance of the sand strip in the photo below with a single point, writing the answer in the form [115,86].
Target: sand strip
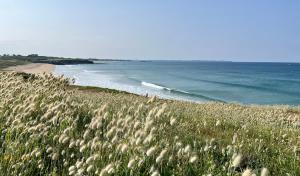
[35,68]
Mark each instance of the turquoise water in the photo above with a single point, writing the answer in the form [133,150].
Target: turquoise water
[247,83]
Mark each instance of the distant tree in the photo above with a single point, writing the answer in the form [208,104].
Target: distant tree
[33,55]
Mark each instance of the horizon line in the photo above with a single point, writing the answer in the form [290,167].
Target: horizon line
[135,59]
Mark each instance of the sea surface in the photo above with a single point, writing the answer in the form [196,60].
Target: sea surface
[199,81]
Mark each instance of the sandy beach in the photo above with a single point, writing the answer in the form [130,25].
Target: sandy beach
[35,68]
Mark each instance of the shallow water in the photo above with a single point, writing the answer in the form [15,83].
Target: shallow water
[248,83]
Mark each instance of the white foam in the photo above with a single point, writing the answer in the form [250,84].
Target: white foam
[152,85]
[87,77]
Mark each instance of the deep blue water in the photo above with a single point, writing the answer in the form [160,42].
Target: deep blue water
[247,83]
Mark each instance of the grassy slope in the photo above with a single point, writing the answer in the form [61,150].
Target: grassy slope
[11,62]
[256,126]
[266,135]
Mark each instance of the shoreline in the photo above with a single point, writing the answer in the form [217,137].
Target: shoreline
[33,68]
[40,68]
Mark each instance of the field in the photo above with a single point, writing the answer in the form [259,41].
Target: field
[51,128]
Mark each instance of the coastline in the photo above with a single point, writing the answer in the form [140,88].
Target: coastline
[39,68]
[33,68]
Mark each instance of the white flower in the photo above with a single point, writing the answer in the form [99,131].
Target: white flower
[124,148]
[37,154]
[161,156]
[131,163]
[155,173]
[89,160]
[72,168]
[172,121]
[80,171]
[234,138]
[65,140]
[72,144]
[151,151]
[193,159]
[90,168]
[86,134]
[55,156]
[237,160]
[295,150]
[247,172]
[49,150]
[218,123]
[82,149]
[264,172]
[187,149]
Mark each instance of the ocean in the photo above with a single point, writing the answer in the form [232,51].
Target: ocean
[199,81]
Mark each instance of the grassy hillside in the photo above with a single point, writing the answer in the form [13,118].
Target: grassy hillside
[4,63]
[51,128]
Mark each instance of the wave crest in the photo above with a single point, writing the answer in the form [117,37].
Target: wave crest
[180,92]
[155,86]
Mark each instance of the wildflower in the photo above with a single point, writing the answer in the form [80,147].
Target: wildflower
[131,163]
[80,171]
[72,168]
[218,123]
[140,163]
[55,156]
[86,134]
[187,149]
[155,173]
[54,120]
[295,149]
[103,172]
[247,172]
[78,164]
[161,111]
[152,99]
[284,136]
[193,159]
[81,143]
[72,144]
[89,160]
[151,151]
[37,154]
[206,148]
[90,168]
[264,172]
[65,140]
[124,148]
[234,138]
[96,156]
[172,121]
[82,149]
[237,160]
[161,156]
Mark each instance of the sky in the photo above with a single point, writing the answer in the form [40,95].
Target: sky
[236,30]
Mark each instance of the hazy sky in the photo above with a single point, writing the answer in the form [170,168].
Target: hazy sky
[238,30]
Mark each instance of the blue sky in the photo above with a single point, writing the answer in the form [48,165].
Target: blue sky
[238,30]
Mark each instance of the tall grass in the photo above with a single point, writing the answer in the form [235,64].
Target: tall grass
[49,128]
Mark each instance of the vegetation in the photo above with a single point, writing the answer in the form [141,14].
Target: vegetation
[13,60]
[4,63]
[51,128]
